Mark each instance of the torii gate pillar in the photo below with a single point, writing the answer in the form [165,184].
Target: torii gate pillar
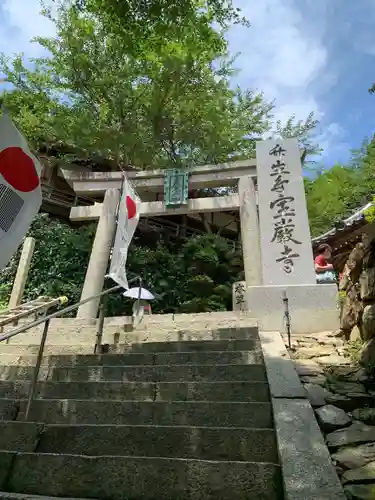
[250,233]
[99,257]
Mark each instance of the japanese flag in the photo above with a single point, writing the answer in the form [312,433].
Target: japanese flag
[127,221]
[20,191]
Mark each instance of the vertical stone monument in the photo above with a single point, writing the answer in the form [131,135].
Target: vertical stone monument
[285,242]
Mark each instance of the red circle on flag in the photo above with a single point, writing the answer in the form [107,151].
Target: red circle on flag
[18,169]
[131,207]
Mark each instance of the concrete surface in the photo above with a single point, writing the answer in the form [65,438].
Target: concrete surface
[142,373]
[192,413]
[142,478]
[140,391]
[198,412]
[307,468]
[313,308]
[203,443]
[281,374]
[182,358]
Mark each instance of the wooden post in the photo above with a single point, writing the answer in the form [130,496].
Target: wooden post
[22,273]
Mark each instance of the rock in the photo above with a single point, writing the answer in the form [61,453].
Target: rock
[357,433]
[331,418]
[340,401]
[367,354]
[346,388]
[349,403]
[318,380]
[348,373]
[368,322]
[362,474]
[331,341]
[307,367]
[334,359]
[367,282]
[312,352]
[355,334]
[366,415]
[337,334]
[316,395]
[341,351]
[328,334]
[360,376]
[360,491]
[306,343]
[355,456]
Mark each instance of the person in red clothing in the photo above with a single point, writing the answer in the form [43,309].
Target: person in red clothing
[323,268]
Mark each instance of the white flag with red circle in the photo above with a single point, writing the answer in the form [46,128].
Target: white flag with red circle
[127,221]
[20,191]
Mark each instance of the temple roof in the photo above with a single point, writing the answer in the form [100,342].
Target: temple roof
[345,226]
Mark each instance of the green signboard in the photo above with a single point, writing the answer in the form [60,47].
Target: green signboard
[176,187]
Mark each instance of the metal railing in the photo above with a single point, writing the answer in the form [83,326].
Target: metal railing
[46,320]
[63,198]
[34,307]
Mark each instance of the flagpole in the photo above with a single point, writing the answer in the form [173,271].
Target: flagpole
[117,214]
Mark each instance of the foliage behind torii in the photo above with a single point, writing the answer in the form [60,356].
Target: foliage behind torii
[194,276]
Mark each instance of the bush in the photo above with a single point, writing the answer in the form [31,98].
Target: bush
[195,277]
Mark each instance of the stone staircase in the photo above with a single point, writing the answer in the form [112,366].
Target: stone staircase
[172,415]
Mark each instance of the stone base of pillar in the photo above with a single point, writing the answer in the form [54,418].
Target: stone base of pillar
[313,308]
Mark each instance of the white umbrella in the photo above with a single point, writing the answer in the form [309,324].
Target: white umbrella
[133,293]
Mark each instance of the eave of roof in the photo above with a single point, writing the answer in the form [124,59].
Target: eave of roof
[351,221]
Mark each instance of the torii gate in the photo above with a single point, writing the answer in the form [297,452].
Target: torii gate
[275,233]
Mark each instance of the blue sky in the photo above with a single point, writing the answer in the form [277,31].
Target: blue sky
[308,55]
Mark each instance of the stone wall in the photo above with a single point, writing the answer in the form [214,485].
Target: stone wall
[367,293]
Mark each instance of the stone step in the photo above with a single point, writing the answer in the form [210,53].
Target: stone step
[137,478]
[202,443]
[87,335]
[185,413]
[249,344]
[141,373]
[33,349]
[20,496]
[180,358]
[160,373]
[225,319]
[141,391]
[132,347]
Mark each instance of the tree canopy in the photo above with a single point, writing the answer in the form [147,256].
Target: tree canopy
[158,93]
[336,193]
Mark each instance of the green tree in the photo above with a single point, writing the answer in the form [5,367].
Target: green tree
[165,101]
[193,277]
[330,197]
[59,261]
[146,26]
[211,265]
[336,193]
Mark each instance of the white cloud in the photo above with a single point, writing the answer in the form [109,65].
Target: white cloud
[334,139]
[23,21]
[283,54]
